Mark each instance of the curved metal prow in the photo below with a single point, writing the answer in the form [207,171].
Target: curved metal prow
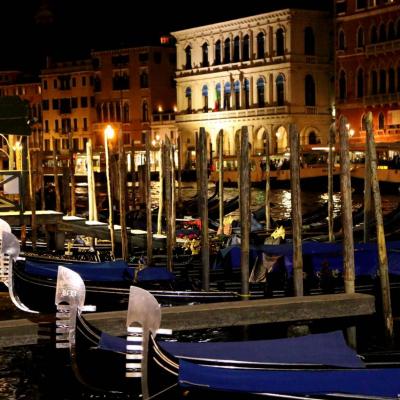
[4,226]
[70,299]
[9,252]
[143,319]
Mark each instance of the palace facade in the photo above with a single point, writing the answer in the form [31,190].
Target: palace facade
[368,67]
[265,71]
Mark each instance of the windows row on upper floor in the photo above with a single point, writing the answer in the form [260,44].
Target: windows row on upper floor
[65,105]
[246,48]
[344,6]
[372,83]
[66,82]
[66,125]
[242,95]
[370,35]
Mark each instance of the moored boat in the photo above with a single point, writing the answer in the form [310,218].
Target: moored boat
[315,366]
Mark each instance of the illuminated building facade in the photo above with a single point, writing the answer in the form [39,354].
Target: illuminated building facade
[264,71]
[368,67]
[68,104]
[134,87]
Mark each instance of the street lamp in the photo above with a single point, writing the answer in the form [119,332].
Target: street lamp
[109,134]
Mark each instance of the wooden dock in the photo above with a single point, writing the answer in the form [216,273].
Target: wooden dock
[227,314]
[43,217]
[57,222]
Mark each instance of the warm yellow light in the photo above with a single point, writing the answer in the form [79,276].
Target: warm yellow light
[160,108]
[175,108]
[153,142]
[109,132]
[348,126]
[157,137]
[351,132]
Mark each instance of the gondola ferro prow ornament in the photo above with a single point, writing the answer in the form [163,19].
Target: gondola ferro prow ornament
[143,319]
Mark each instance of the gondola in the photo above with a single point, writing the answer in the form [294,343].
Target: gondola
[322,266]
[315,366]
[107,285]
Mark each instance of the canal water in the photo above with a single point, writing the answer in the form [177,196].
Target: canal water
[28,373]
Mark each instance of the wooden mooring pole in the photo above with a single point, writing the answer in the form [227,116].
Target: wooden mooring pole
[168,201]
[161,190]
[221,179]
[55,173]
[244,179]
[148,203]
[109,132]
[296,209]
[91,182]
[347,219]
[122,195]
[179,147]
[32,193]
[267,185]
[380,233]
[367,192]
[72,174]
[203,181]
[331,164]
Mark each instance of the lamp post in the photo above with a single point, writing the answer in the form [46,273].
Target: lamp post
[109,134]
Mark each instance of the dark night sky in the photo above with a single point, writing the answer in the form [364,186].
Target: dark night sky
[81,25]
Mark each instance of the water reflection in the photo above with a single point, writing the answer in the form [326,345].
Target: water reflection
[21,372]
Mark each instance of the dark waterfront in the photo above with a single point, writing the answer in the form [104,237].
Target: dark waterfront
[27,373]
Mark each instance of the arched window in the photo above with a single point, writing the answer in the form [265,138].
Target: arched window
[236,89]
[236,49]
[280,42]
[227,51]
[204,92]
[105,112]
[261,92]
[309,41]
[398,79]
[144,80]
[246,89]
[125,116]
[217,105]
[392,87]
[374,35]
[280,90]
[382,33]
[341,40]
[374,82]
[204,49]
[312,138]
[360,83]
[391,31]
[260,45]
[361,4]
[381,121]
[112,114]
[363,123]
[188,94]
[145,111]
[382,81]
[227,96]
[360,37]
[309,91]
[342,85]
[98,112]
[188,53]
[217,59]
[118,111]
[246,48]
